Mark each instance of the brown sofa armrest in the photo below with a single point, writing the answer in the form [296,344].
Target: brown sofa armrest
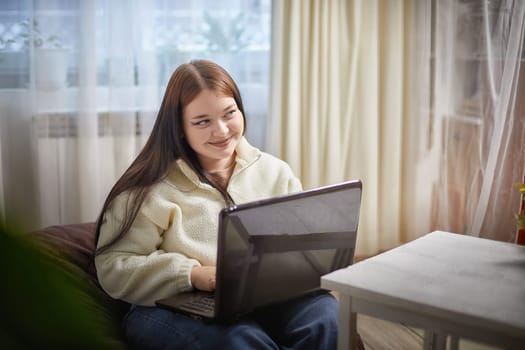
[74,242]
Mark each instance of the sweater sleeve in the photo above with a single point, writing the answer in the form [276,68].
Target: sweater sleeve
[294,184]
[134,269]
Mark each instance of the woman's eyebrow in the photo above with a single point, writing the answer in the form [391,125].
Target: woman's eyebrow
[200,116]
[233,105]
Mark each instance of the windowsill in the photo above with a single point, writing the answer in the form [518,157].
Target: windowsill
[72,99]
[113,98]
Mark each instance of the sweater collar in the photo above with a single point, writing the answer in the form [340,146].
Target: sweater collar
[246,155]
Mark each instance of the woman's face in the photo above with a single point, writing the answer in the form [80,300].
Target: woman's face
[213,126]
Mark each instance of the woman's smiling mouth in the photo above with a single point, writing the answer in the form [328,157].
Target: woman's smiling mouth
[221,144]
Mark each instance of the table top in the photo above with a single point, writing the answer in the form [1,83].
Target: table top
[445,275]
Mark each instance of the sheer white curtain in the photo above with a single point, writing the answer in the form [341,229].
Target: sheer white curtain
[338,103]
[100,117]
[476,119]
[81,82]
[75,108]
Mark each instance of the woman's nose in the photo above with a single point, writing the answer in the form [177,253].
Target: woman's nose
[221,128]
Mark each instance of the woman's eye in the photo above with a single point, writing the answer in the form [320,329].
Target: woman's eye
[201,122]
[231,113]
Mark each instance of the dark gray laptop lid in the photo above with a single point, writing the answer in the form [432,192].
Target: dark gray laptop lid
[278,248]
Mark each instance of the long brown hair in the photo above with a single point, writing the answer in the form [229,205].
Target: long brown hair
[166,142]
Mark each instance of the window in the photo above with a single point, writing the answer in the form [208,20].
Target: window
[137,44]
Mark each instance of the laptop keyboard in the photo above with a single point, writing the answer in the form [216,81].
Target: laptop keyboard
[204,304]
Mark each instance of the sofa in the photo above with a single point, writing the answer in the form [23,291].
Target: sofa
[50,297]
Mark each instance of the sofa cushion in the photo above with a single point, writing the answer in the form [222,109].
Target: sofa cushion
[74,246]
[75,242]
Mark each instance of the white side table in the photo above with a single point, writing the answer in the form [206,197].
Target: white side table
[446,283]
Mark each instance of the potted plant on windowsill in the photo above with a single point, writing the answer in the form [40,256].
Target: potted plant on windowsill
[50,54]
[51,57]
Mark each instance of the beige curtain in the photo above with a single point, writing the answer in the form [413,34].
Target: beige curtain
[422,100]
[337,97]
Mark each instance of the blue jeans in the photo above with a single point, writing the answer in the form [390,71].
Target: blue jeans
[306,323]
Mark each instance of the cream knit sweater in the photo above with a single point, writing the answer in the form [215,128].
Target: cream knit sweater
[176,227]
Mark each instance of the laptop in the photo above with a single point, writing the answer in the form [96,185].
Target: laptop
[276,249]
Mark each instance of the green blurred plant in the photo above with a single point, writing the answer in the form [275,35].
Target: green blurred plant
[46,304]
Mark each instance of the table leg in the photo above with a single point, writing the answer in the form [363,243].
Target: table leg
[454,342]
[434,341]
[347,330]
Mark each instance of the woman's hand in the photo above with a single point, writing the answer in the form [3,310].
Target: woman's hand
[203,278]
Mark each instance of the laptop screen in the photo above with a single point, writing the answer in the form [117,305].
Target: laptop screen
[275,249]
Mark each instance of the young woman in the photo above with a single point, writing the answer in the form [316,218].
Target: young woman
[157,231]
